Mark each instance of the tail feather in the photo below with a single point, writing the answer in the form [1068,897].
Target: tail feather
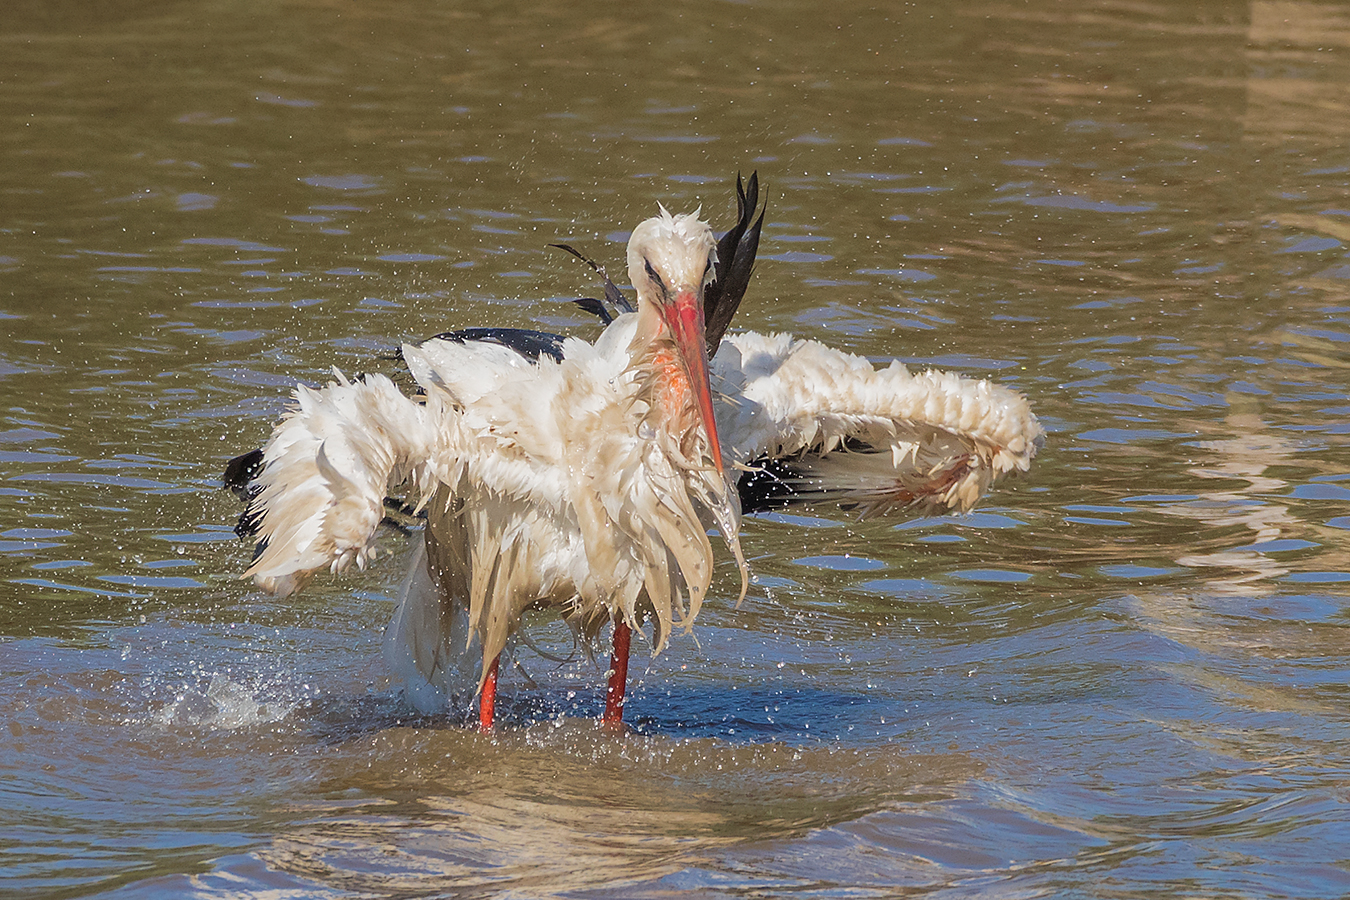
[427,644]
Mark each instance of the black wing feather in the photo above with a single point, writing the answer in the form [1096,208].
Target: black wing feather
[241,471]
[595,308]
[735,261]
[615,296]
[768,484]
[527,342]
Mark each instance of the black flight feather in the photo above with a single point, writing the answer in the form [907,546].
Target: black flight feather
[768,484]
[241,471]
[735,261]
[595,308]
[615,296]
[527,342]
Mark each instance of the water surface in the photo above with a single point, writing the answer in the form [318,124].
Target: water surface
[1125,675]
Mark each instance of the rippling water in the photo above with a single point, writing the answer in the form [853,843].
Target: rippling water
[1125,675]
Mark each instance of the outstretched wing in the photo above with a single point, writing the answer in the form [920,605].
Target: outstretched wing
[320,483]
[810,424]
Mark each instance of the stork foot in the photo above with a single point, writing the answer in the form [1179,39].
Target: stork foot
[487,698]
[612,719]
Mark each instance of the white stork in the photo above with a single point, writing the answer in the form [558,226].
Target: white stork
[558,473]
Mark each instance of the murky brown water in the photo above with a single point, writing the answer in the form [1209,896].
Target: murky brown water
[1125,676]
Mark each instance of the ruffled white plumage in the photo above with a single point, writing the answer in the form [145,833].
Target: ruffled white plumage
[935,440]
[545,486]
[321,494]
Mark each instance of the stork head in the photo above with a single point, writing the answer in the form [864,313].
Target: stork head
[670,262]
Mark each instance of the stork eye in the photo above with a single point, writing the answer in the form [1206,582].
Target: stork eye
[656,278]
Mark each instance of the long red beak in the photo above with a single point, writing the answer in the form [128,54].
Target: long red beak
[685,321]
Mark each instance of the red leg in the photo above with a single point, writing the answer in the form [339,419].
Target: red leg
[618,677]
[487,698]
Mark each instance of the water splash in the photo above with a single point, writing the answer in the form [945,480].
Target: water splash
[225,705]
